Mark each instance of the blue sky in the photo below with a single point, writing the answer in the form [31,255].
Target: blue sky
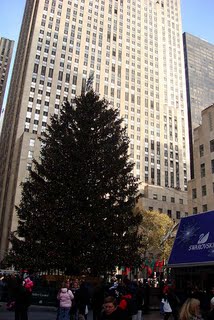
[197,17]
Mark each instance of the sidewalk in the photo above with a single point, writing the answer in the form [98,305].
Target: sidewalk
[49,313]
[153,315]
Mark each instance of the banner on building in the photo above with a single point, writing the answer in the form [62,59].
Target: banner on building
[194,242]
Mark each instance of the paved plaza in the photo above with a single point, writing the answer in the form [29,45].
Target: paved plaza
[49,313]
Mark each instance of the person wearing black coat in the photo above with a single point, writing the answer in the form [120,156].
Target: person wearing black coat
[97,301]
[22,301]
[111,311]
[83,299]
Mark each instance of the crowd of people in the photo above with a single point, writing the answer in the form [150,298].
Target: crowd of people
[191,304]
[129,300]
[117,300]
[19,292]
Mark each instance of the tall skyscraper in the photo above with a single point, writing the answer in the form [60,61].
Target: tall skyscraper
[6,50]
[199,68]
[133,51]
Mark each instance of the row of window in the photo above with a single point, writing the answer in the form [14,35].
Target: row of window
[170,213]
[203,168]
[201,148]
[203,191]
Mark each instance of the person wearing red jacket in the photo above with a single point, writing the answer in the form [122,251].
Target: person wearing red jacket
[128,303]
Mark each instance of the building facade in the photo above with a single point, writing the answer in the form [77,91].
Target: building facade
[133,50]
[201,188]
[199,69]
[6,50]
[171,201]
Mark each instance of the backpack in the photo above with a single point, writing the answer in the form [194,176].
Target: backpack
[131,307]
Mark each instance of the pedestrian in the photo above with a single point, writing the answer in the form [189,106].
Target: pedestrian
[211,313]
[97,300]
[111,311]
[83,299]
[22,298]
[65,297]
[128,302]
[170,303]
[2,284]
[190,310]
[140,300]
[167,309]
[74,308]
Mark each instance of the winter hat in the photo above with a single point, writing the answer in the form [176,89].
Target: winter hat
[212,301]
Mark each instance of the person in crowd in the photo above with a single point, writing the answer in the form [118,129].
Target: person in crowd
[2,284]
[22,300]
[146,287]
[97,300]
[75,290]
[83,299]
[190,310]
[28,283]
[170,304]
[211,293]
[211,313]
[68,284]
[128,301]
[140,300]
[111,311]
[166,307]
[113,289]
[11,283]
[65,297]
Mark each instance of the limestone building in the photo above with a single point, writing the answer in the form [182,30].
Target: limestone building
[6,50]
[133,49]
[201,188]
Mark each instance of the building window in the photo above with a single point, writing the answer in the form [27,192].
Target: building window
[169,212]
[163,198]
[43,70]
[172,199]
[60,75]
[30,154]
[155,196]
[181,201]
[201,150]
[204,207]
[36,67]
[195,210]
[150,208]
[204,190]
[203,171]
[67,78]
[29,165]
[32,143]
[160,210]
[50,74]
[74,80]
[212,166]
[194,193]
[212,145]
[178,214]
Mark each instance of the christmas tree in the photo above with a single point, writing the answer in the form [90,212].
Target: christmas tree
[76,210]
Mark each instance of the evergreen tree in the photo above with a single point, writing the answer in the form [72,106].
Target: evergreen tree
[76,209]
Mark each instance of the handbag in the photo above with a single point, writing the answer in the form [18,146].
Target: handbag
[86,309]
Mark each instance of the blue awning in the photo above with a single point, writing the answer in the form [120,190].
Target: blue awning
[194,242]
